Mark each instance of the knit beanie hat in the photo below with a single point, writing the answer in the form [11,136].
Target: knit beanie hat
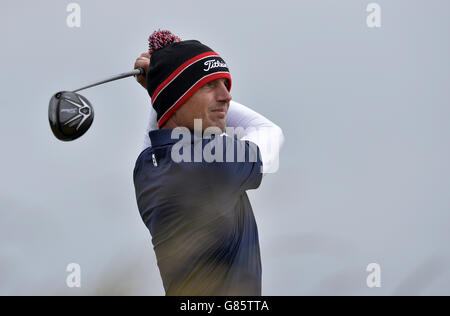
[177,70]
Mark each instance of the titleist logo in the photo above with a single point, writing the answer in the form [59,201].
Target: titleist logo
[214,63]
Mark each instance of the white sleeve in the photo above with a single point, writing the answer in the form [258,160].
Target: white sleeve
[151,125]
[258,129]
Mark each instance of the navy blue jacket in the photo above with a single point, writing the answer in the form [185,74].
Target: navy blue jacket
[203,230]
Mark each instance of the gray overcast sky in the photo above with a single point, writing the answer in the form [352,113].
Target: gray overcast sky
[364,174]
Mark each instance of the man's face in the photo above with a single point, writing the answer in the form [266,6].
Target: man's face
[209,103]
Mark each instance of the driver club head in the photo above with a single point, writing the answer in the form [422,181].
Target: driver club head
[70,115]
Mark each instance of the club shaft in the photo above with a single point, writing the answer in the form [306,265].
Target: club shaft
[139,71]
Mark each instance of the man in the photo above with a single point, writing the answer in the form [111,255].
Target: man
[198,213]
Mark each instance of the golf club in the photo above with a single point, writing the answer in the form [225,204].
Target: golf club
[71,114]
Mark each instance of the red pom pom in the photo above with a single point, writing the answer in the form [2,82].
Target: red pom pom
[160,39]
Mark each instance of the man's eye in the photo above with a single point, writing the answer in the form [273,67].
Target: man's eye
[214,83]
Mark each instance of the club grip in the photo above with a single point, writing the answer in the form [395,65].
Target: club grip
[141,71]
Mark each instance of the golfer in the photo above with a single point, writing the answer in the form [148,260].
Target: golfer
[203,229]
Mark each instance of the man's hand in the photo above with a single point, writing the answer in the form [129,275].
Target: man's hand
[142,61]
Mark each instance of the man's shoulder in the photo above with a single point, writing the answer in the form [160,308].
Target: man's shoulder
[142,153]
[139,160]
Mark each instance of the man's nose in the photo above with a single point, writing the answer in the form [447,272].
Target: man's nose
[222,92]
